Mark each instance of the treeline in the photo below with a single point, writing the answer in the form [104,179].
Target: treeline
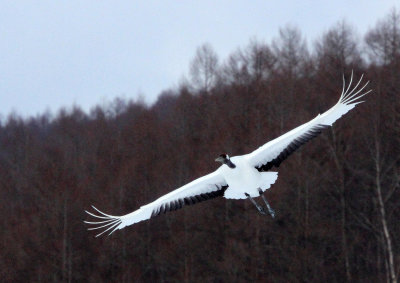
[337,199]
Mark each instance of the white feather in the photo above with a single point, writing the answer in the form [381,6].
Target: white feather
[272,149]
[206,184]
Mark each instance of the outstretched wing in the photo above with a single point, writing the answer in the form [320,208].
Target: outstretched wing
[274,152]
[204,188]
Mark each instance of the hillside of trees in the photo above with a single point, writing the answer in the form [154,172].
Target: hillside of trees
[337,199]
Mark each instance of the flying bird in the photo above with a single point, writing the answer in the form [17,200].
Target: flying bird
[239,177]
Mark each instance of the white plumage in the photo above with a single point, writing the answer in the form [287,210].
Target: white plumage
[240,176]
[245,178]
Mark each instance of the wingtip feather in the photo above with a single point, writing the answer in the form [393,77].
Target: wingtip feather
[350,98]
[110,223]
[111,227]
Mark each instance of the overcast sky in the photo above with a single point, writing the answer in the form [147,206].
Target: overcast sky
[60,53]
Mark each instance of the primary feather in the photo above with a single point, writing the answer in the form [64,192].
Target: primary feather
[204,188]
[274,152]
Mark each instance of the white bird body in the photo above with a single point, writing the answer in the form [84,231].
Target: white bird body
[245,178]
[240,176]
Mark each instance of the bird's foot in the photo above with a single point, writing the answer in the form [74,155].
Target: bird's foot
[270,210]
[261,210]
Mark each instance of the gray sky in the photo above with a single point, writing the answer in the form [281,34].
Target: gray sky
[59,53]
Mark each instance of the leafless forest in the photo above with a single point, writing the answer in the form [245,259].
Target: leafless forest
[337,199]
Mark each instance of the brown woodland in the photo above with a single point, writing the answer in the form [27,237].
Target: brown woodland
[337,199]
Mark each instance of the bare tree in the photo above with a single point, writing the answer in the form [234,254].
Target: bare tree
[382,213]
[338,49]
[291,50]
[203,68]
[383,41]
[252,64]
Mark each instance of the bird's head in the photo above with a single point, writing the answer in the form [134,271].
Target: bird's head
[224,159]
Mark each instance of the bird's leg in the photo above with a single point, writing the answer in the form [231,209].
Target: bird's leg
[271,211]
[259,208]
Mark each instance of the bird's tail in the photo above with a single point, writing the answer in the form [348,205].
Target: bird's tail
[267,179]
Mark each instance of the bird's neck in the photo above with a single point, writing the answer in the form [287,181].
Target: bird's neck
[230,164]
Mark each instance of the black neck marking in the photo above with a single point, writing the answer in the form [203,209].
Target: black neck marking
[230,164]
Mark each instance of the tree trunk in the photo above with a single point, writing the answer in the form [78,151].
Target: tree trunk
[344,235]
[343,209]
[382,215]
[65,242]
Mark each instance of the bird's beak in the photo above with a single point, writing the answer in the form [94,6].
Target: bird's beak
[219,159]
